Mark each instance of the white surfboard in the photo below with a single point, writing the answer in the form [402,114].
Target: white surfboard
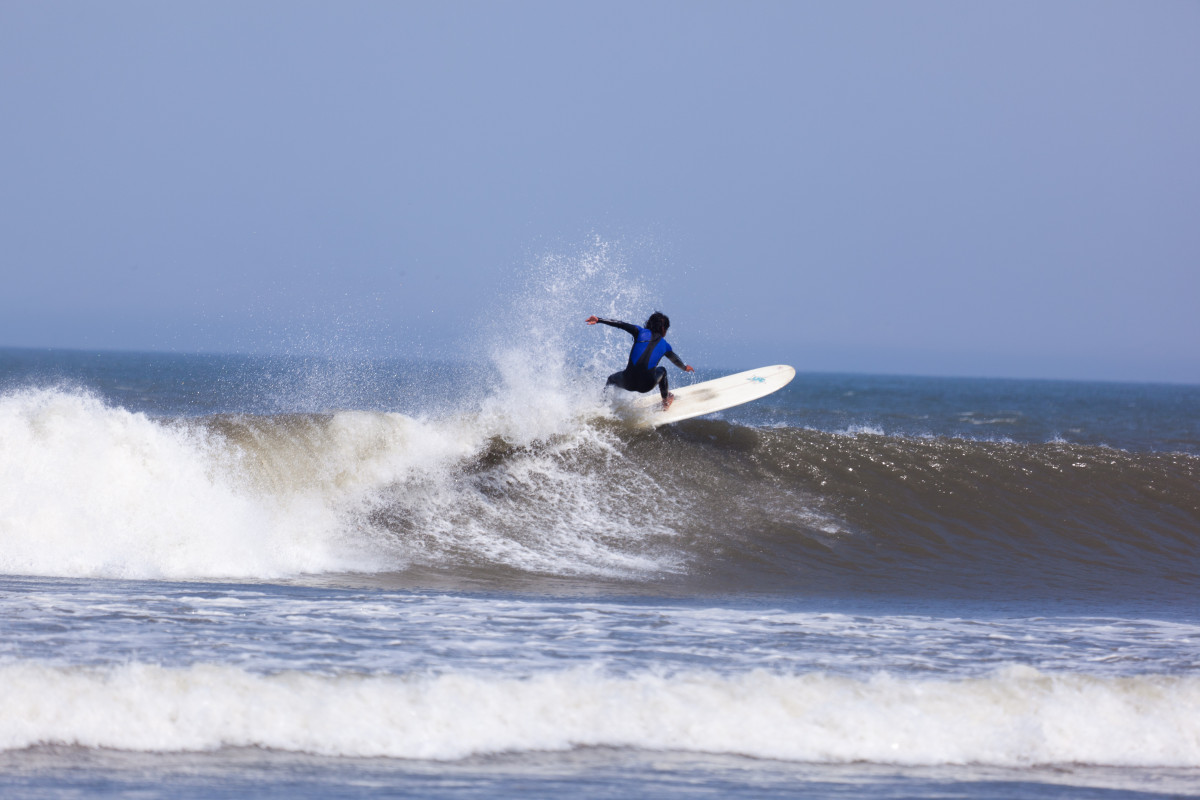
[711,396]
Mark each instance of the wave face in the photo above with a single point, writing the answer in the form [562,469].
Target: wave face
[558,487]
[903,512]
[1015,717]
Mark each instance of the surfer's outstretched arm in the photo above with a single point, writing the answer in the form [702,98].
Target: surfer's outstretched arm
[625,326]
[677,361]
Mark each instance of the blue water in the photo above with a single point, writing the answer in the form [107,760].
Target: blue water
[301,577]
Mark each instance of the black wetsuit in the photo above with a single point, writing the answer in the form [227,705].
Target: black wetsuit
[642,373]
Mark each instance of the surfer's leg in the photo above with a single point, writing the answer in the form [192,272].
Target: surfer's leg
[617,379]
[660,377]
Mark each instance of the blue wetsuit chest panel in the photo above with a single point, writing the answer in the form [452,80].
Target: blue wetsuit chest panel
[638,352]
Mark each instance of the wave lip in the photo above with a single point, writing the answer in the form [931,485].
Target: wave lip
[1015,717]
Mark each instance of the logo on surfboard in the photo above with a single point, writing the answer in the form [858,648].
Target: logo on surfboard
[757,379]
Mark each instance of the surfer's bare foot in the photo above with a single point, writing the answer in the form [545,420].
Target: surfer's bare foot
[667,402]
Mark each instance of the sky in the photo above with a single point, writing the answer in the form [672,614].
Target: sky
[1005,189]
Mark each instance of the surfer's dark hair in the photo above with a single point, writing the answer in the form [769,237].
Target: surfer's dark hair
[658,323]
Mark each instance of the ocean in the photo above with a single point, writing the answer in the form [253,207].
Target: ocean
[315,576]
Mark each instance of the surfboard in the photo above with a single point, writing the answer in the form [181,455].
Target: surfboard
[711,396]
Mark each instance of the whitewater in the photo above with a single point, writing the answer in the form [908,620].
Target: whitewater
[313,575]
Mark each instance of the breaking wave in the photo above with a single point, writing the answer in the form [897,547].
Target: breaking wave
[89,489]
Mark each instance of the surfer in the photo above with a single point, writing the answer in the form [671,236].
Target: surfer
[642,373]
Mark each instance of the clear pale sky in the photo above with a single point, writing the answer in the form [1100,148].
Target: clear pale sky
[950,188]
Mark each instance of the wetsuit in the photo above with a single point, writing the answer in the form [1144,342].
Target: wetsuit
[643,373]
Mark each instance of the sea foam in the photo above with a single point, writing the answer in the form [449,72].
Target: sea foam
[1015,717]
[92,490]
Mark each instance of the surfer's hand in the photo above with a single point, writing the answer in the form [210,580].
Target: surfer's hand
[688,368]
[592,320]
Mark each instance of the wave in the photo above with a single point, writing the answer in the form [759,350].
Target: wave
[951,511]
[95,491]
[91,490]
[551,484]
[1015,717]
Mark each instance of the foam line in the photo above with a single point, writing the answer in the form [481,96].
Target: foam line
[1015,717]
